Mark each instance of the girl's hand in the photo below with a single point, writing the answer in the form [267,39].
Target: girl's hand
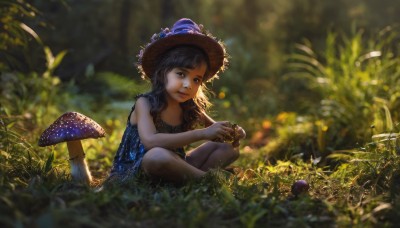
[240,134]
[218,131]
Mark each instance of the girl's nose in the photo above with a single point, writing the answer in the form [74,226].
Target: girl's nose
[187,85]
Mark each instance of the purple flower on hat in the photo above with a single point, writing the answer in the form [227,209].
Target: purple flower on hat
[162,34]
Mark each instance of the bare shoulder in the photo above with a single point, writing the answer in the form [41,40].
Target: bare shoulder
[142,103]
[142,109]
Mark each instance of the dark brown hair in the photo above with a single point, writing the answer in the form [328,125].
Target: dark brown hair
[184,57]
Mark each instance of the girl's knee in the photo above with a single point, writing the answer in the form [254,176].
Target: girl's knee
[235,153]
[230,151]
[157,160]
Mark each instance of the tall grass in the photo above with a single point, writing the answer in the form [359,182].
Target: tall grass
[351,90]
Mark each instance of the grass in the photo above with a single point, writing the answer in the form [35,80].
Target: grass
[36,191]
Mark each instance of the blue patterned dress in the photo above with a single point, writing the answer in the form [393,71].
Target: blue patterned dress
[128,158]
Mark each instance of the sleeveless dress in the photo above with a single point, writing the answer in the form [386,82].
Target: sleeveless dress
[128,158]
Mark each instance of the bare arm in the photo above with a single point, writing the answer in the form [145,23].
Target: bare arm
[150,138]
[208,121]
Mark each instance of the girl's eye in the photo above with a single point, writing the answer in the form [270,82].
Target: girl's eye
[197,80]
[180,74]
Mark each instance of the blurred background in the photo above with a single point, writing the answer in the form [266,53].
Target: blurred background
[322,74]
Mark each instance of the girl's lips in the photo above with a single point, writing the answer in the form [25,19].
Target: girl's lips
[183,94]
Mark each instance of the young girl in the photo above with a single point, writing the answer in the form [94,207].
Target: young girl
[165,120]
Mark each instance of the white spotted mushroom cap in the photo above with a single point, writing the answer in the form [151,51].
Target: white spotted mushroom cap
[69,127]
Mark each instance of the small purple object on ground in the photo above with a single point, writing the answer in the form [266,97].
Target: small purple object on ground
[299,187]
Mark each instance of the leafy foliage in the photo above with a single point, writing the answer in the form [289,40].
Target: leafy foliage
[356,82]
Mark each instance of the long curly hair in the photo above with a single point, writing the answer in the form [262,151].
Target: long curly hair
[185,57]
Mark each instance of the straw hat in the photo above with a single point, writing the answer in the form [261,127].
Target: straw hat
[183,32]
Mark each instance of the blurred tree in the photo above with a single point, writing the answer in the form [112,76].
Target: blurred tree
[126,10]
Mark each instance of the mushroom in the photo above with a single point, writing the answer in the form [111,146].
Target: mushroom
[71,127]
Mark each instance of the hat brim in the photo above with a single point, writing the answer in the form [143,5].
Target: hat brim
[211,47]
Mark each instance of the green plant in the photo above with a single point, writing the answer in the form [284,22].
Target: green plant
[356,81]
[26,98]
[12,32]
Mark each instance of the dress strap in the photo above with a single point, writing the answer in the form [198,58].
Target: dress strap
[133,107]
[130,113]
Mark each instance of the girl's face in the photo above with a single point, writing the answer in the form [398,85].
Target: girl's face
[183,83]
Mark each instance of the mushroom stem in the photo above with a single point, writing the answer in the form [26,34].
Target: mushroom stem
[79,168]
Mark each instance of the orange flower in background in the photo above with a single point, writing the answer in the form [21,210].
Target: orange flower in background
[281,117]
[221,95]
[266,124]
[261,137]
